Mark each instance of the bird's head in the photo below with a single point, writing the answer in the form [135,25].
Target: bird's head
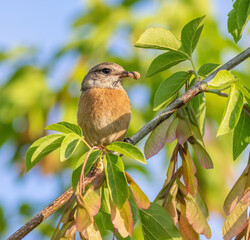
[107,75]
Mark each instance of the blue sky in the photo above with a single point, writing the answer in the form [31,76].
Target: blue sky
[46,24]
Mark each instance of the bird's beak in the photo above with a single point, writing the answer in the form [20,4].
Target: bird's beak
[134,75]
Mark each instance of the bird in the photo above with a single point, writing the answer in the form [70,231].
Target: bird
[104,110]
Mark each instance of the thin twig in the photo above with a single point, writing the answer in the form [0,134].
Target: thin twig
[54,206]
[197,88]
[222,94]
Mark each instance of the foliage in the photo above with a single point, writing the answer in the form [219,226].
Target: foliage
[115,203]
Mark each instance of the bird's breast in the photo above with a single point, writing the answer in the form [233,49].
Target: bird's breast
[104,115]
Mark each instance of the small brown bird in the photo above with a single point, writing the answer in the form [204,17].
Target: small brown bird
[104,107]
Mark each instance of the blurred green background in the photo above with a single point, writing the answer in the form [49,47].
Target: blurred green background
[46,48]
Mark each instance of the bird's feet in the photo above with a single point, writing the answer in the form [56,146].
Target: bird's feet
[128,140]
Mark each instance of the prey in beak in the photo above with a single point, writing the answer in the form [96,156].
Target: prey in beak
[135,75]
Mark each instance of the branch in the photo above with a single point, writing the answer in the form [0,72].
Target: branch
[197,88]
[222,94]
[54,206]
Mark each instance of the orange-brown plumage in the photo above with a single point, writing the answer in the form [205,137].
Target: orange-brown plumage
[104,107]
[104,115]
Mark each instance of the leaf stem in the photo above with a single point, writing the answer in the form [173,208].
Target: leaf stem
[222,94]
[218,92]
[195,71]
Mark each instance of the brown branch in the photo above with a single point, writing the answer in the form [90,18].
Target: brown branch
[54,206]
[197,88]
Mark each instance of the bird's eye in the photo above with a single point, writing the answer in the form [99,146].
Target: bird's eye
[106,70]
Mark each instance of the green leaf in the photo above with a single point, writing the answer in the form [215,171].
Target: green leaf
[238,18]
[237,220]
[41,148]
[196,218]
[201,154]
[199,106]
[105,206]
[128,150]
[233,110]
[158,38]
[65,127]
[116,180]
[157,139]
[245,91]
[93,159]
[157,224]
[165,61]
[241,135]
[223,79]
[190,34]
[68,146]
[202,204]
[169,87]
[207,68]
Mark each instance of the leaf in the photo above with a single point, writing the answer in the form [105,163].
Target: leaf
[128,150]
[207,68]
[116,180]
[241,135]
[245,91]
[87,207]
[193,123]
[223,79]
[170,204]
[199,106]
[140,197]
[158,38]
[172,163]
[183,131]
[41,148]
[171,132]
[105,206]
[92,201]
[68,146]
[195,217]
[190,34]
[93,159]
[201,154]
[83,220]
[157,139]
[238,18]
[186,230]
[65,127]
[165,61]
[103,220]
[202,204]
[122,219]
[92,232]
[157,224]
[189,171]
[169,87]
[237,192]
[237,220]
[233,110]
